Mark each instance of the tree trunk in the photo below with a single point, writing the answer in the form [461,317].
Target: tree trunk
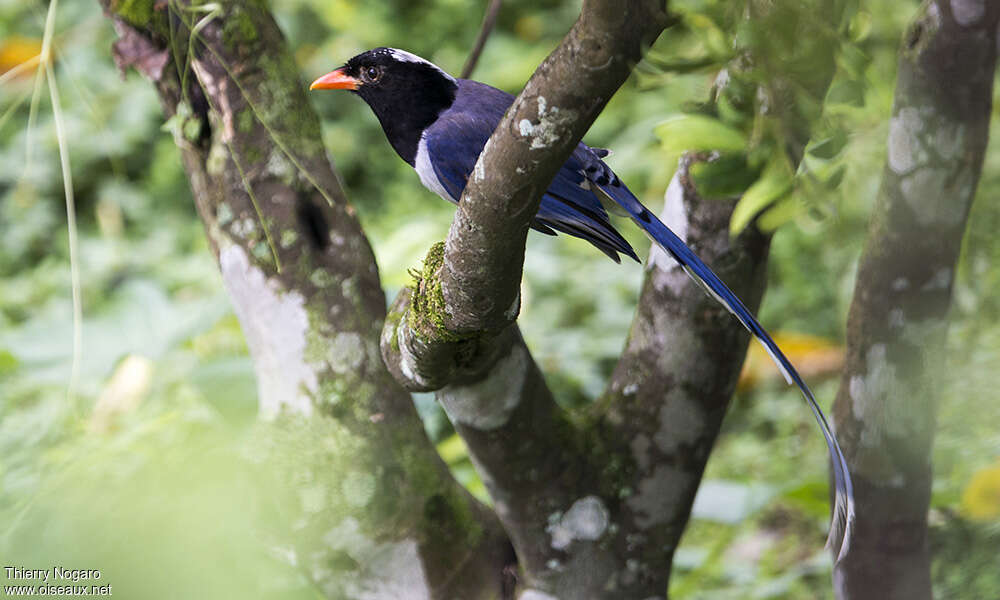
[886,405]
[304,284]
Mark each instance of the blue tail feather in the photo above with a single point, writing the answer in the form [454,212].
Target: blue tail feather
[844,514]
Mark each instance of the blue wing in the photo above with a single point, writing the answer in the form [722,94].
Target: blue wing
[453,144]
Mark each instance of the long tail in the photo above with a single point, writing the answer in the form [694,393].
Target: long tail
[842,526]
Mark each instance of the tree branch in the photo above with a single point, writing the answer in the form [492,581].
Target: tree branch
[470,288]
[886,406]
[455,330]
[489,20]
[303,282]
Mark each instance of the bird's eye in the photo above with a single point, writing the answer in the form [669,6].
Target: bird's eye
[371,74]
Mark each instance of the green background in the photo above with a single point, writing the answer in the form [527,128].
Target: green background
[174,499]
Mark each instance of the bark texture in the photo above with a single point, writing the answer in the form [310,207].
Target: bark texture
[885,409]
[304,283]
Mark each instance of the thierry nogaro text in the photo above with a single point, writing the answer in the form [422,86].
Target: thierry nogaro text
[55,573]
[54,581]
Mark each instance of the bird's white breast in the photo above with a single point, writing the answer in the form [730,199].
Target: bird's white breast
[425,170]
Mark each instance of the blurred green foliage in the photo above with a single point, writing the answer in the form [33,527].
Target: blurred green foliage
[170,499]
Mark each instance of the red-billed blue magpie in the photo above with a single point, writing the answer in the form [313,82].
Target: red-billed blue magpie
[439,125]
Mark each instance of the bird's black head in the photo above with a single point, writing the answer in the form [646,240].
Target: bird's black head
[406,93]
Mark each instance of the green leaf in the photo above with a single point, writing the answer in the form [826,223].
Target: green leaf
[850,92]
[823,175]
[782,212]
[828,147]
[860,26]
[730,111]
[699,132]
[727,176]
[714,38]
[453,450]
[832,181]
[774,183]
[854,61]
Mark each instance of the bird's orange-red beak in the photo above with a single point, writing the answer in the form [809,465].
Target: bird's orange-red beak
[335,80]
